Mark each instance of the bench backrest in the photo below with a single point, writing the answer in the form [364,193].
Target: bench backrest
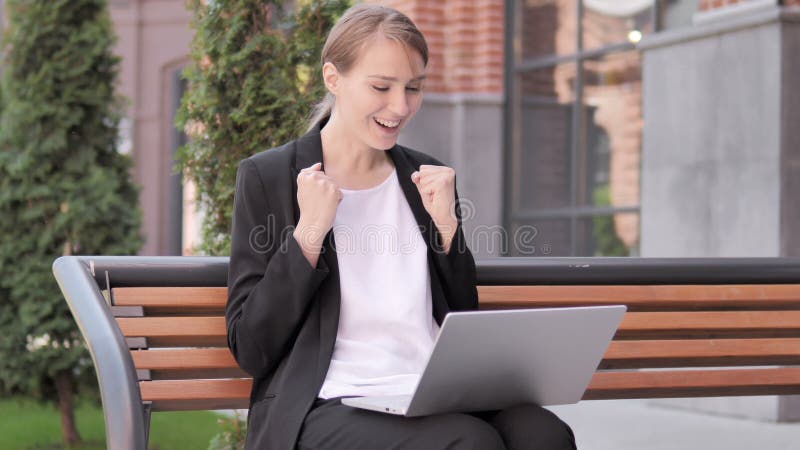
[177,340]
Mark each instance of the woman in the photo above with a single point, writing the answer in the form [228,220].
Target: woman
[347,252]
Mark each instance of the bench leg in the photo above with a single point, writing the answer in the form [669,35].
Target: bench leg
[146,409]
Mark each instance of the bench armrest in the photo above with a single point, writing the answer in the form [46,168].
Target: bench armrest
[119,389]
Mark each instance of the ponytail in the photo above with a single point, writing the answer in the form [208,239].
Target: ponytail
[320,111]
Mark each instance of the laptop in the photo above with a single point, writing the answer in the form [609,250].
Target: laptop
[490,360]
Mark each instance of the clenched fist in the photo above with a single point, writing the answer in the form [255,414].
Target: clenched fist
[436,186]
[318,196]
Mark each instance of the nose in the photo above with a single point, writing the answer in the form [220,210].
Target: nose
[398,105]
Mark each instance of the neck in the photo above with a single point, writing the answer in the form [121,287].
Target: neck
[344,153]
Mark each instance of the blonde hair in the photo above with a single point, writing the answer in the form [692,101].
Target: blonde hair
[351,31]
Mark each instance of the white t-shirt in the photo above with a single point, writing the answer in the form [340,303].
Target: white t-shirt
[386,327]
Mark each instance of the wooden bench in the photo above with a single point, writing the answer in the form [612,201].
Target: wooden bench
[700,327]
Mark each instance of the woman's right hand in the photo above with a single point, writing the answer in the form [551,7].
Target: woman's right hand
[318,196]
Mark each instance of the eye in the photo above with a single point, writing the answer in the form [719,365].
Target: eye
[413,89]
[380,89]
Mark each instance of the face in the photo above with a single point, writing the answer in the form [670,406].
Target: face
[380,94]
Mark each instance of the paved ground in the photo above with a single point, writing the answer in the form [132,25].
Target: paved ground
[633,424]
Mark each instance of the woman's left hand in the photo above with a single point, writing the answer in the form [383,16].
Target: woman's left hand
[436,186]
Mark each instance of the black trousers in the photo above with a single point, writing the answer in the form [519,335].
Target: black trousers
[330,425]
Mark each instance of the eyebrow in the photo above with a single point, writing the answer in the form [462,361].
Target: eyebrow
[383,77]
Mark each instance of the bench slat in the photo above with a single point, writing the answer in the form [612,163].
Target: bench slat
[168,394]
[165,299]
[654,297]
[742,324]
[195,389]
[693,383]
[718,324]
[187,358]
[701,353]
[176,331]
[179,395]
[172,326]
[657,297]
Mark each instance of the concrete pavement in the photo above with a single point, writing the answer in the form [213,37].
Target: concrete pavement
[635,424]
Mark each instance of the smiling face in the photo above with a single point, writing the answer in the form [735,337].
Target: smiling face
[380,94]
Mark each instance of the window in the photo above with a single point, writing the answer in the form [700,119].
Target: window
[573,124]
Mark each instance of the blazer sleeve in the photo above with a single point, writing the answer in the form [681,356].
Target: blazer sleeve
[270,281]
[457,268]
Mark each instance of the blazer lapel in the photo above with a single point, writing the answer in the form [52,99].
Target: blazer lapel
[404,169]
[309,152]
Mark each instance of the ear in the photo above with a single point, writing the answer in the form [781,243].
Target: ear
[330,75]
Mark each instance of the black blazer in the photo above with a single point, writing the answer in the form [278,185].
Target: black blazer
[282,314]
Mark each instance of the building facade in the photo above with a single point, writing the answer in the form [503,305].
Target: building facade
[569,165]
[153,41]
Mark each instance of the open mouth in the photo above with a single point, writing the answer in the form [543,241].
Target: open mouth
[387,124]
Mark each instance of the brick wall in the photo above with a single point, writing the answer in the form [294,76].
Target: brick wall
[465,40]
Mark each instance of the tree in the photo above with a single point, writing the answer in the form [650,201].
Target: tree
[254,77]
[64,187]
